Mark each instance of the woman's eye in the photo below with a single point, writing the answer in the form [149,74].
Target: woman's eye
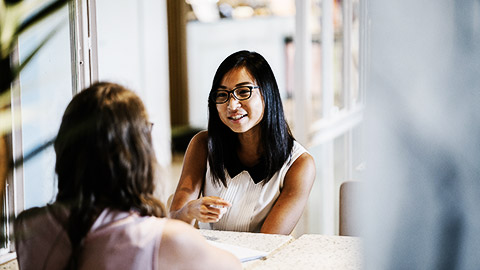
[243,92]
[221,95]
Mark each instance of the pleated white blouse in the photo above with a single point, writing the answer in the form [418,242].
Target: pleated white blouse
[251,202]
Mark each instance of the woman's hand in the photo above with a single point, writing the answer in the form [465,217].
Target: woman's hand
[186,205]
[206,209]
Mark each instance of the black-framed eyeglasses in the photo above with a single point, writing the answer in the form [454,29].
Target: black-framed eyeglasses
[243,92]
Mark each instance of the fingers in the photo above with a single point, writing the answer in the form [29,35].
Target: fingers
[208,209]
[217,201]
[209,219]
[209,214]
[213,208]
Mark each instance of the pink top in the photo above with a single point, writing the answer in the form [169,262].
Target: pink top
[117,240]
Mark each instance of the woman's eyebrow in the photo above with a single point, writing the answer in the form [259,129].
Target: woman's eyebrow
[238,84]
[243,83]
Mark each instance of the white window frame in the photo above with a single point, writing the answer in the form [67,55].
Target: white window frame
[334,122]
[84,52]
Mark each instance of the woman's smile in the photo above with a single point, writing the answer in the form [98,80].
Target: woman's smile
[237,117]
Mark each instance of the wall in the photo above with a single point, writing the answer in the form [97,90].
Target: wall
[132,50]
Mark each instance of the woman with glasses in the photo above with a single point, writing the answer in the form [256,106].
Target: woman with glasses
[246,172]
[105,215]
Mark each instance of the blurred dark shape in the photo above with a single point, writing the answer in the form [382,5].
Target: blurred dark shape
[181,137]
[12,2]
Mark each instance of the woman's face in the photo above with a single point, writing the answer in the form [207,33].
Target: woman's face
[241,115]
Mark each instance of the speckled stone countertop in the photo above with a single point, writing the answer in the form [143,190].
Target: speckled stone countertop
[310,251]
[315,252]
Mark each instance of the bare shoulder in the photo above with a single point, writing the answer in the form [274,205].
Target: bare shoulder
[197,149]
[183,247]
[304,161]
[200,138]
[198,144]
[302,170]
[176,232]
[179,242]
[306,157]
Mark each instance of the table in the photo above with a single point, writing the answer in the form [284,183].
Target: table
[309,251]
[259,241]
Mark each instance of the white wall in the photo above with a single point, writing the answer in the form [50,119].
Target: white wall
[133,51]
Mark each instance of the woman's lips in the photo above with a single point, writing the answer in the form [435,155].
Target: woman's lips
[237,117]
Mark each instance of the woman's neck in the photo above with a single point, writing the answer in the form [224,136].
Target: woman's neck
[250,148]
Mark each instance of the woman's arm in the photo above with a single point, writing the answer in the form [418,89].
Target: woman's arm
[186,205]
[292,200]
[183,247]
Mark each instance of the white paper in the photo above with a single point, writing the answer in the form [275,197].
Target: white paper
[242,253]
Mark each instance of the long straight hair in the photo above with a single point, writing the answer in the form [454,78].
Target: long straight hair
[104,159]
[276,137]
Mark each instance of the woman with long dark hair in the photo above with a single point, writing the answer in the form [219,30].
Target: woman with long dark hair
[246,172]
[105,215]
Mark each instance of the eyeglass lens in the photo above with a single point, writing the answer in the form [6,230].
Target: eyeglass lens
[240,93]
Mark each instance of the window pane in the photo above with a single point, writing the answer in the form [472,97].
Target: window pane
[355,47]
[46,88]
[339,98]
[317,46]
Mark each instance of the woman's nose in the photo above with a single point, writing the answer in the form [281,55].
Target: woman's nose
[233,103]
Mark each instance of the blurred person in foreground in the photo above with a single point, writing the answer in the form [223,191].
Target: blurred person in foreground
[423,124]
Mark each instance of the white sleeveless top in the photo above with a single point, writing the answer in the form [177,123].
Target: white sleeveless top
[251,202]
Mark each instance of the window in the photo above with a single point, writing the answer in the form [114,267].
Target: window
[46,88]
[67,64]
